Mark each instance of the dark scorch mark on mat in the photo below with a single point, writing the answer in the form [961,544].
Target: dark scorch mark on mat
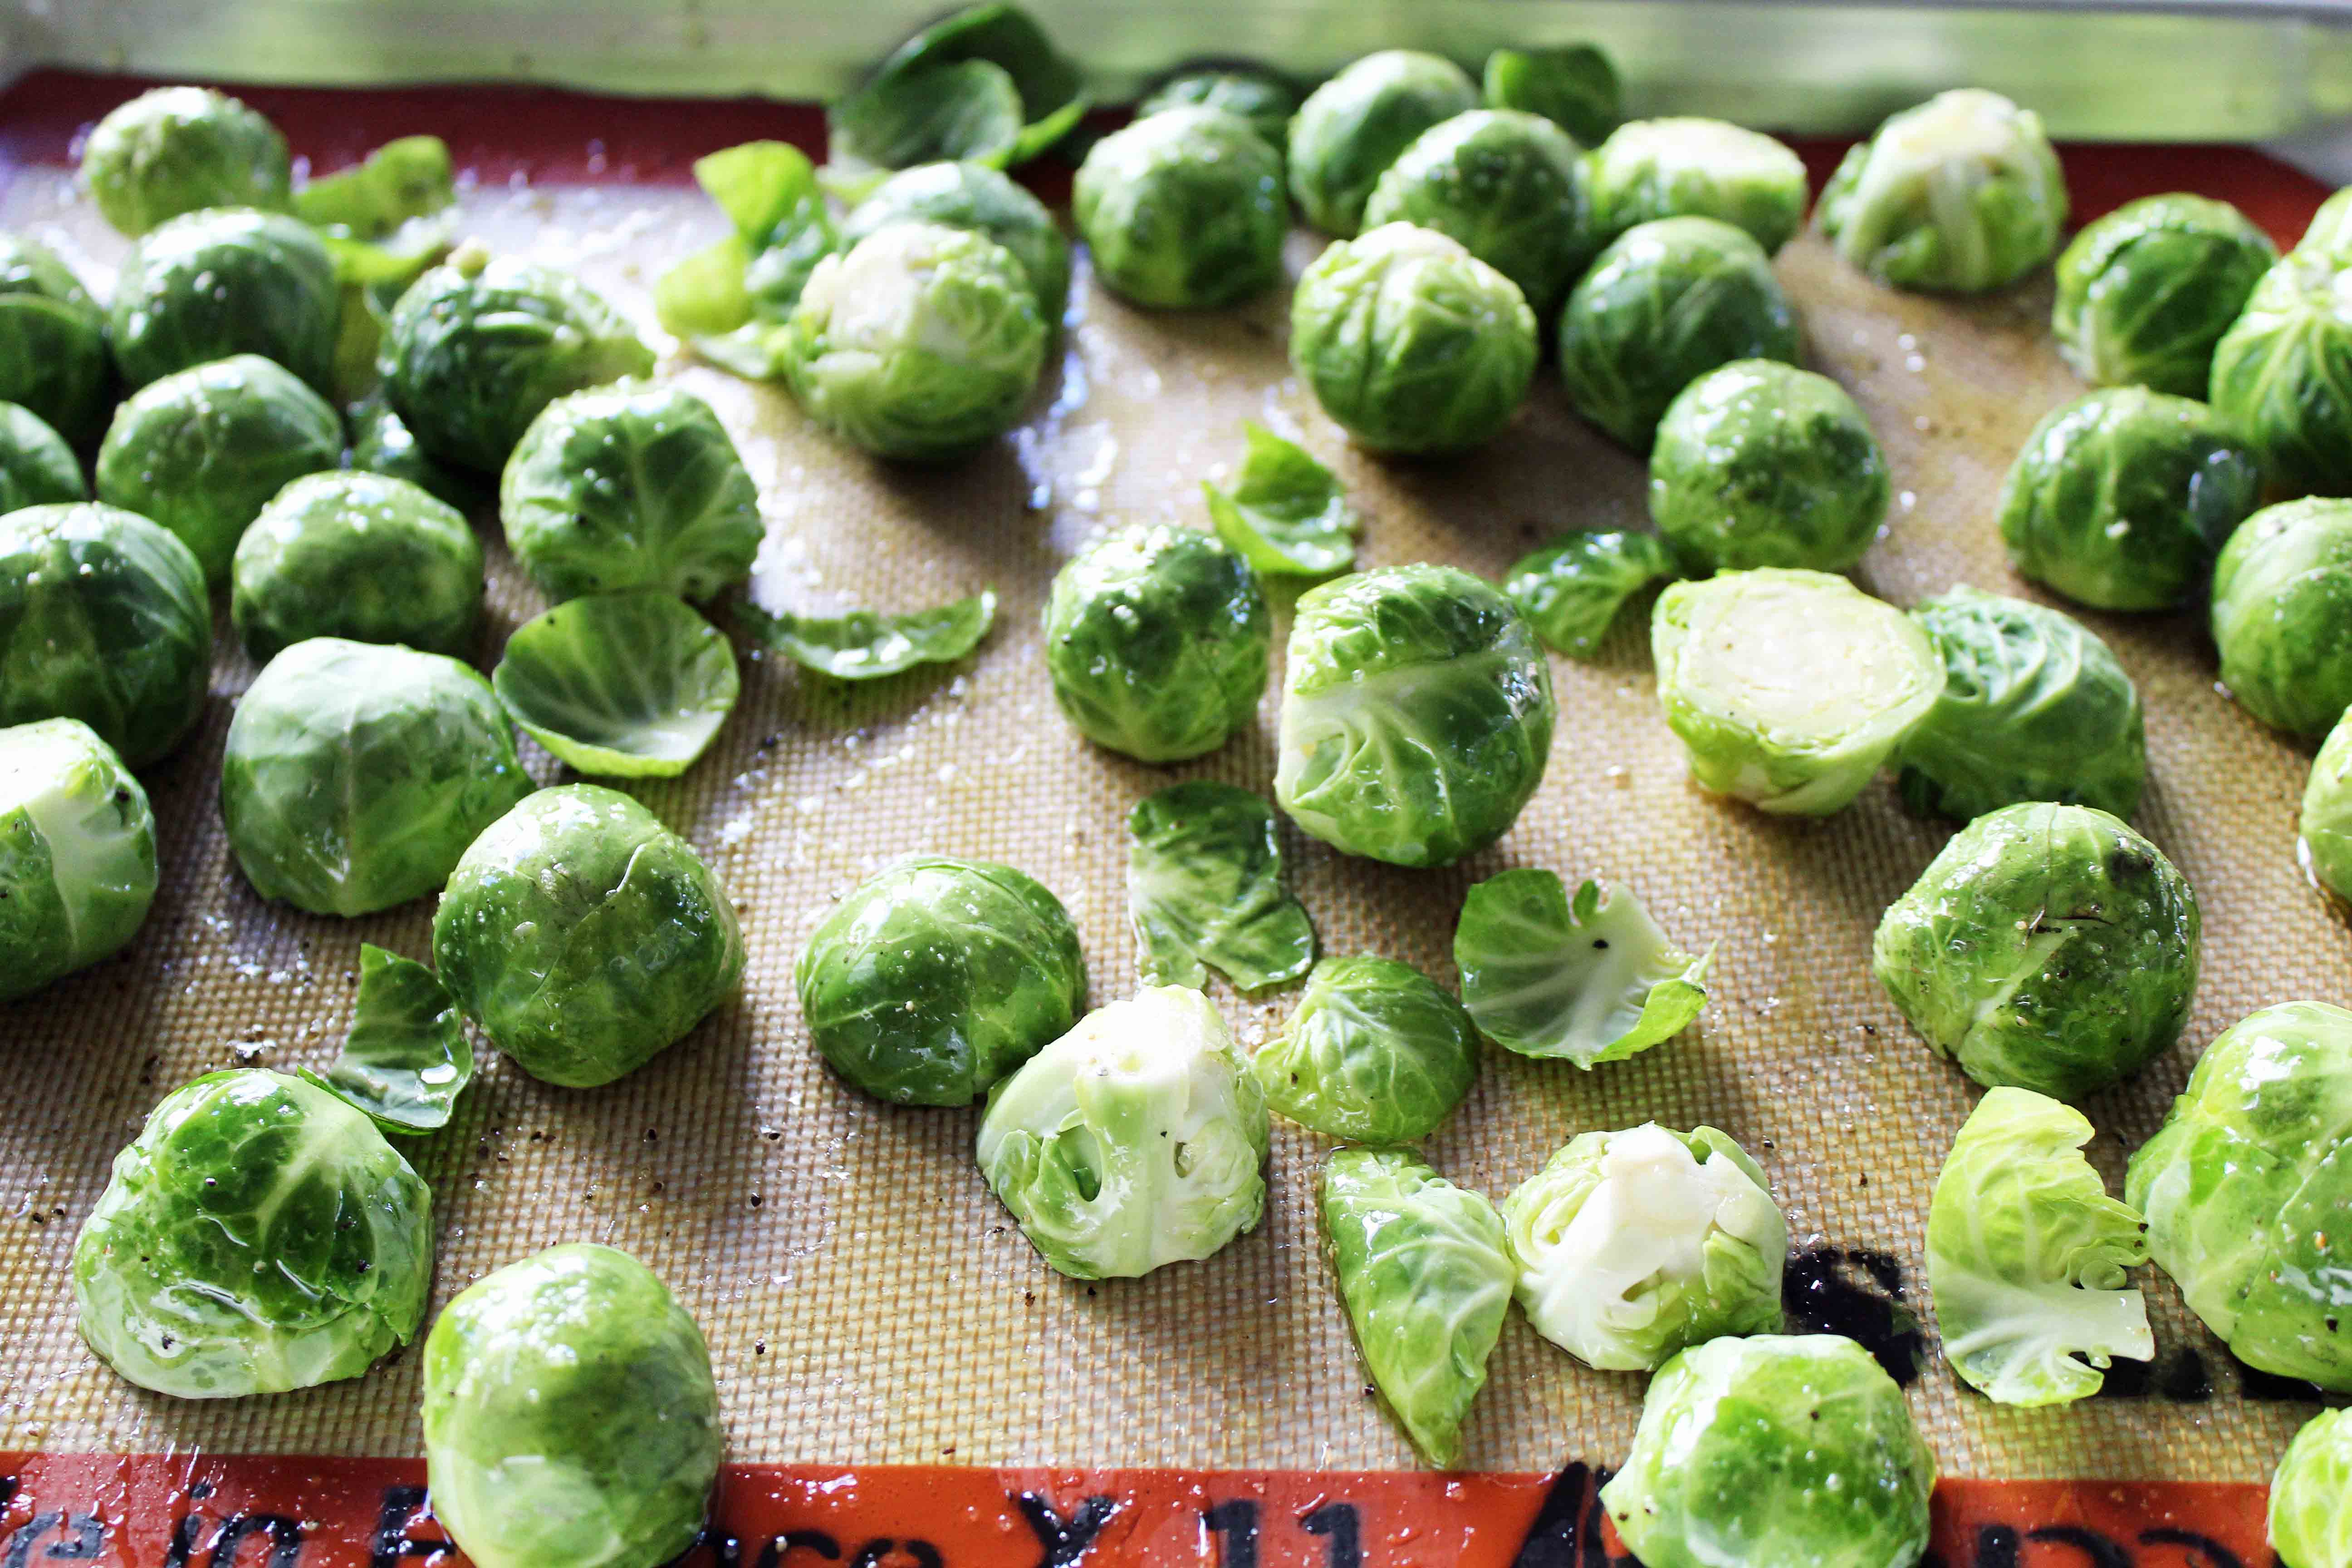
[1858,1293]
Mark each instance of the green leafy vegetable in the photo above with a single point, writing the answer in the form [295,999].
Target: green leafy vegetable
[1264,98]
[1689,167]
[1574,86]
[865,645]
[1571,589]
[985,84]
[2309,1525]
[2146,293]
[732,298]
[1350,129]
[1286,513]
[1374,1052]
[2281,604]
[1183,210]
[629,685]
[1593,981]
[37,467]
[176,150]
[1204,886]
[77,867]
[210,284]
[382,218]
[406,1058]
[53,355]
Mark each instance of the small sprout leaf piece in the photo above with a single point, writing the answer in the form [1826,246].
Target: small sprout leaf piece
[383,219]
[1375,1053]
[1286,513]
[865,645]
[1204,887]
[1571,589]
[984,84]
[1595,981]
[406,1058]
[730,298]
[620,685]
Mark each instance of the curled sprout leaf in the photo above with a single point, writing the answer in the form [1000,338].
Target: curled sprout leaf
[1376,1052]
[620,685]
[1571,589]
[1286,513]
[406,1058]
[926,103]
[865,645]
[383,219]
[1593,981]
[1204,887]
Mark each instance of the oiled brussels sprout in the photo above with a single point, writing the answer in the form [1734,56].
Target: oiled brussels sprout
[2282,373]
[53,355]
[221,282]
[77,853]
[1572,85]
[176,150]
[1375,1052]
[2282,613]
[381,443]
[37,467]
[1651,169]
[1260,96]
[2325,826]
[986,201]
[1351,128]
[1183,210]
[2309,1525]
[2146,293]
[1761,464]
[1509,187]
[356,555]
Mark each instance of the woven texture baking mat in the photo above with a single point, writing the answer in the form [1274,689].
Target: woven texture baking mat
[865,1300]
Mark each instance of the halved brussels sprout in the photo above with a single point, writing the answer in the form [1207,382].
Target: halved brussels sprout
[1134,1141]
[1204,889]
[569,1414]
[911,110]
[221,282]
[2120,498]
[2325,844]
[1571,589]
[103,619]
[1572,85]
[1588,982]
[1631,1247]
[2309,1525]
[355,774]
[973,196]
[2146,293]
[1265,99]
[2246,1184]
[77,853]
[1412,344]
[2035,707]
[1774,1450]
[2282,613]
[53,355]
[584,937]
[406,1058]
[1417,715]
[1664,304]
[356,555]
[1649,169]
[630,685]
[2280,376]
[2047,947]
[381,443]
[1287,514]
[175,150]
[936,977]
[1183,210]
[732,298]
[258,1236]
[1375,1052]
[863,644]
[1422,1271]
[1789,690]
[1962,193]
[1509,187]
[202,451]
[37,467]
[1156,638]
[1350,129]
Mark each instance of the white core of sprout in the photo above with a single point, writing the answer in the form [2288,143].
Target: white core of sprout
[875,294]
[1949,147]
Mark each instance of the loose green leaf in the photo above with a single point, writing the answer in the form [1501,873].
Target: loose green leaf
[968,111]
[1046,85]
[629,685]
[1592,981]
[703,296]
[729,298]
[406,1058]
[1376,1053]
[1204,888]
[1572,588]
[400,180]
[865,645]
[1574,86]
[1286,513]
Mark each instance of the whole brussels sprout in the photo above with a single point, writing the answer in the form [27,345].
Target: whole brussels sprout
[1573,85]
[584,937]
[2048,947]
[53,355]
[230,281]
[477,346]
[1761,464]
[1663,305]
[1649,169]
[920,342]
[1509,187]
[1350,129]
[2282,613]
[177,150]
[1183,210]
[2120,498]
[258,1237]
[2146,293]
[380,444]
[2282,373]
[570,1415]
[2245,1188]
[1959,195]
[103,619]
[1411,342]
[936,977]
[2309,1525]
[356,555]
[2325,845]
[1156,639]
[37,467]
[202,451]
[1260,96]
[77,853]
[1774,1450]
[355,774]
[2035,707]
[1416,718]
[986,201]
[1376,1052]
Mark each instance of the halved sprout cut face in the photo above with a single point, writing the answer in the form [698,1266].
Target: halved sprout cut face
[620,685]
[77,853]
[1592,980]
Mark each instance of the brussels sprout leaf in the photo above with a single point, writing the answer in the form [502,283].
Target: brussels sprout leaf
[406,1058]
[1286,513]
[1595,981]
[627,685]
[1374,1053]
[400,180]
[969,110]
[1575,86]
[1048,101]
[727,298]
[865,645]
[1204,887]
[1572,588]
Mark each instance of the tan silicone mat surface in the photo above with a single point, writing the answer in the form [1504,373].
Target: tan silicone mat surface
[865,1299]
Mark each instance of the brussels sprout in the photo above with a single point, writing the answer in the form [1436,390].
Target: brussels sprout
[1652,168]
[1574,86]
[53,355]
[2146,293]
[983,201]
[2309,1525]
[380,444]
[1632,1246]
[1959,195]
[202,451]
[1509,187]
[1595,981]
[1204,889]
[1134,1141]
[919,343]
[1375,1052]
[1789,690]
[584,937]
[258,1237]
[915,107]
[231,281]
[2324,846]
[1774,1450]
[2331,225]
[1260,96]
[733,299]
[2246,1184]
[1286,514]
[1411,342]
[103,619]
[1416,718]
[2035,707]
[2283,372]
[1421,1268]
[407,178]
[1761,464]
[37,467]
[1571,589]
[356,774]
[406,1058]
[356,555]
[1183,210]
[936,977]
[2048,947]
[1156,638]
[175,150]
[77,853]
[2120,498]
[2282,613]
[865,646]
[1664,304]
[1350,129]
[630,685]
[570,1415]
[479,345]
